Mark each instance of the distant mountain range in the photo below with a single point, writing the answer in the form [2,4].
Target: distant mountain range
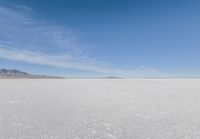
[17,74]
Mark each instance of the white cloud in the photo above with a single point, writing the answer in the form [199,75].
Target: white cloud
[65,61]
[24,31]
[23,38]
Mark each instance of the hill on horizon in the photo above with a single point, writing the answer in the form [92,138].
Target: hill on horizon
[18,74]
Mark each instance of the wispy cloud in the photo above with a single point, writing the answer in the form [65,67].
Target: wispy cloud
[24,38]
[23,30]
[65,61]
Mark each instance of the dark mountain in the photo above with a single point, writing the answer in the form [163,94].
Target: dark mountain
[17,74]
[112,77]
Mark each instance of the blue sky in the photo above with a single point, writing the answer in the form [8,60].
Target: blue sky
[92,38]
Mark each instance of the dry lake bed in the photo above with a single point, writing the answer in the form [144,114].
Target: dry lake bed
[100,109]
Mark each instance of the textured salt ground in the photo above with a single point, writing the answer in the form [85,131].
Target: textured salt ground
[100,109]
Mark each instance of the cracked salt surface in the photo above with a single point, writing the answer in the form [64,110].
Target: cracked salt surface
[100,109]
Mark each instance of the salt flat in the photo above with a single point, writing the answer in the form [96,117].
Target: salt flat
[100,109]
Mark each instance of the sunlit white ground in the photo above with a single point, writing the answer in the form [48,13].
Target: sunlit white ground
[100,109]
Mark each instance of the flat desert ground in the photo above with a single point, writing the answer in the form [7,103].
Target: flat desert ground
[100,109]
